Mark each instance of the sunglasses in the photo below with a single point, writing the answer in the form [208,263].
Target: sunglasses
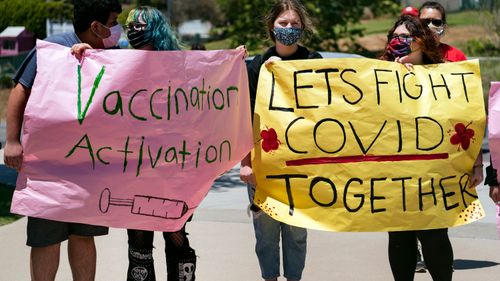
[403,38]
[435,22]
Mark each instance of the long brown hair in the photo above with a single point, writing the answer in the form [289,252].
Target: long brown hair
[285,5]
[423,36]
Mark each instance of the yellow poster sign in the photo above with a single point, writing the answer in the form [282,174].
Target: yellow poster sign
[366,145]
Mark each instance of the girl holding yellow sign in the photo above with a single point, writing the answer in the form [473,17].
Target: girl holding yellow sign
[412,43]
[286,23]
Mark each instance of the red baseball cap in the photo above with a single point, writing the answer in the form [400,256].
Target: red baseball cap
[411,11]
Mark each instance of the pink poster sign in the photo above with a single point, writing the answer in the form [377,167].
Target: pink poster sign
[498,219]
[130,139]
[494,124]
[494,133]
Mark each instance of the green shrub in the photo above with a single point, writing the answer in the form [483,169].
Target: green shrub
[5,199]
[482,47]
[6,82]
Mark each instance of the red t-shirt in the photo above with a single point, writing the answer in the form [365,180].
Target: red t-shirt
[451,54]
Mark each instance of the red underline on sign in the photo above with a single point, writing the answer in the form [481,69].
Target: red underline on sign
[366,158]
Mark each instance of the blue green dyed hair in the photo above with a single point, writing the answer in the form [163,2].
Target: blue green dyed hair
[158,31]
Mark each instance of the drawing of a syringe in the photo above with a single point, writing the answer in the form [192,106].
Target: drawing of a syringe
[145,205]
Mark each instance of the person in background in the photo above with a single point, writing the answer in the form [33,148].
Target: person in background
[197,45]
[148,29]
[286,23]
[434,16]
[95,23]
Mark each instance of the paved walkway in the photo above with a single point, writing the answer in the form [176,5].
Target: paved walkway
[222,235]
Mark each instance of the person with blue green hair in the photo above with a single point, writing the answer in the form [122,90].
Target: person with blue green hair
[148,29]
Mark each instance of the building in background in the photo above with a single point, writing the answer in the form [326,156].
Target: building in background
[58,26]
[189,30]
[15,40]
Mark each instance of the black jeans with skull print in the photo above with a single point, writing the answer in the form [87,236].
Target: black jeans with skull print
[181,258]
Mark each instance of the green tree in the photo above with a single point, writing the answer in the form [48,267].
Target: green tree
[491,18]
[206,10]
[244,21]
[33,14]
[334,21]
[488,45]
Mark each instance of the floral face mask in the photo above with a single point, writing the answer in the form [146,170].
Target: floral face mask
[287,36]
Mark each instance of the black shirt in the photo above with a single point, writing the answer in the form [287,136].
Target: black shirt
[491,175]
[253,67]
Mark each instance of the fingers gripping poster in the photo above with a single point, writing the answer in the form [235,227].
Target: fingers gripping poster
[366,145]
[129,138]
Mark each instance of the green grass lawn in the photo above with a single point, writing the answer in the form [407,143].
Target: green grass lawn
[383,24]
[378,25]
[218,45]
[5,198]
[464,18]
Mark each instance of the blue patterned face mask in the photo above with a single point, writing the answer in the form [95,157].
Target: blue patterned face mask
[287,36]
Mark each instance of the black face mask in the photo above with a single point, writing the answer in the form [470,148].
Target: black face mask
[136,37]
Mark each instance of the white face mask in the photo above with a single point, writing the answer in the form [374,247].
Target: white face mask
[439,30]
[112,39]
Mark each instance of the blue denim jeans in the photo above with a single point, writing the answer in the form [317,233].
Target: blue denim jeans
[267,235]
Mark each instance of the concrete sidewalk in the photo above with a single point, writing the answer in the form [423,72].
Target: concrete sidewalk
[225,251]
[222,235]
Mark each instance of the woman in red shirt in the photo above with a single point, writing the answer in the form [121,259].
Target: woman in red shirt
[433,14]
